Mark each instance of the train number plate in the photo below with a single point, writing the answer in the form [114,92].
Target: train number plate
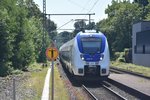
[91,63]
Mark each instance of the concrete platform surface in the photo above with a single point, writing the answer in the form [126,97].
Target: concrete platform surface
[138,83]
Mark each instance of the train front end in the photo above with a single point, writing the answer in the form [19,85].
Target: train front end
[92,57]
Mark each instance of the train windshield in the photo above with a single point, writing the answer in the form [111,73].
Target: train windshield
[91,45]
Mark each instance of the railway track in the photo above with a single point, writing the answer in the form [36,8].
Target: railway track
[115,93]
[98,91]
[89,93]
[113,90]
[102,93]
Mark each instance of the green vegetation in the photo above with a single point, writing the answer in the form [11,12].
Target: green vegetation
[122,60]
[21,35]
[21,31]
[118,26]
[132,67]
[125,56]
[63,37]
[36,80]
[142,2]
[118,29]
[60,91]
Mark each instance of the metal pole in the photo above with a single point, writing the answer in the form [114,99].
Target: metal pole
[89,18]
[14,91]
[72,14]
[52,97]
[44,31]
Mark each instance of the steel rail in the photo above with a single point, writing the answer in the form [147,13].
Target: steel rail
[114,92]
[89,93]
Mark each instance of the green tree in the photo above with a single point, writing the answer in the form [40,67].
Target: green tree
[23,51]
[147,16]
[7,34]
[32,9]
[51,29]
[142,2]
[63,37]
[118,25]
[79,26]
[35,27]
[21,34]
[91,26]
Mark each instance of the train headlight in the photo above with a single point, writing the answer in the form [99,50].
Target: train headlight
[82,56]
[101,57]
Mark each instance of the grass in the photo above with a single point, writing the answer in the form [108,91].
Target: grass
[132,67]
[36,80]
[60,91]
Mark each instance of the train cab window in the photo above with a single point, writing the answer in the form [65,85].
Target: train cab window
[91,45]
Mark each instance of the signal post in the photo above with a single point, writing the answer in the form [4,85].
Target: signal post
[52,54]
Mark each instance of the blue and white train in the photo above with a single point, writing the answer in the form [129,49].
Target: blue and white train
[87,55]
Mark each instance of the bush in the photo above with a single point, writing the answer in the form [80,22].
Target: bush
[5,69]
[119,56]
[128,55]
[116,55]
[125,56]
[121,59]
[16,72]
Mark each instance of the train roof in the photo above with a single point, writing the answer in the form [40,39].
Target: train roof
[83,34]
[89,32]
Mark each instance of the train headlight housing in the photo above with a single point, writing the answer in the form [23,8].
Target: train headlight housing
[103,71]
[101,57]
[82,56]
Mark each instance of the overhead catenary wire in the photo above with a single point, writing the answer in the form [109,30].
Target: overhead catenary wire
[82,7]
[86,5]
[70,14]
[93,6]
[64,24]
[77,5]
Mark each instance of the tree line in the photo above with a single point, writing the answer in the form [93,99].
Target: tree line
[122,14]
[117,27]
[21,30]
[21,33]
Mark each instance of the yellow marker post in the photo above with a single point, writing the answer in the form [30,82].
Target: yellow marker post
[52,54]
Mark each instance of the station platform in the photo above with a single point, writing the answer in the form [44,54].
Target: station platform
[135,82]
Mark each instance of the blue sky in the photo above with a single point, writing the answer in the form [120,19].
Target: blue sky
[74,6]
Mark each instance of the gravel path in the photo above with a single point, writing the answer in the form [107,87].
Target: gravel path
[22,93]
